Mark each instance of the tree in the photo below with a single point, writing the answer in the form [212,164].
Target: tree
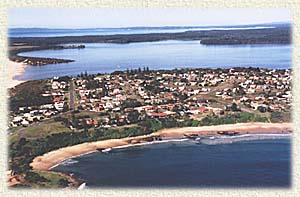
[240,91]
[195,123]
[234,107]
[63,182]
[34,177]
[131,103]
[133,116]
[262,109]
[277,117]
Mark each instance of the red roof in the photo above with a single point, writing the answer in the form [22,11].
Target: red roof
[168,95]
[57,99]
[95,122]
[158,114]
[202,109]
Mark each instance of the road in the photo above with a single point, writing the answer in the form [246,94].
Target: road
[72,94]
[228,84]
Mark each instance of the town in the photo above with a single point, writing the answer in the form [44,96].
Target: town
[126,98]
[59,112]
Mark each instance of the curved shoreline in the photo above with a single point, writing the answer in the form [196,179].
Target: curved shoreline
[48,160]
[15,69]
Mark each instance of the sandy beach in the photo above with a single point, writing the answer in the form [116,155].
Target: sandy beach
[14,69]
[50,159]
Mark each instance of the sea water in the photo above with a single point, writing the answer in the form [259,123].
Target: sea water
[252,163]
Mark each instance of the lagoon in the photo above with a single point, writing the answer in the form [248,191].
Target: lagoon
[106,58]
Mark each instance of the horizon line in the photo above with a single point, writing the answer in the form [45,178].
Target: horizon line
[171,26]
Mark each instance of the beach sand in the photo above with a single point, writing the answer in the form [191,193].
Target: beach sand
[14,69]
[53,158]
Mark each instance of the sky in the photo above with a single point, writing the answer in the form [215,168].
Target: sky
[108,17]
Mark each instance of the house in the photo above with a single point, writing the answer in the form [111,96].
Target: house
[59,106]
[158,115]
[25,123]
[203,109]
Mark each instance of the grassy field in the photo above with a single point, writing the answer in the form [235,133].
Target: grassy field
[13,138]
[43,130]
[81,114]
[52,177]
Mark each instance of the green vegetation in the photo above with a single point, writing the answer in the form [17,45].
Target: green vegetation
[278,35]
[73,127]
[47,137]
[24,150]
[54,179]
[46,129]
[31,176]
[13,138]
[211,119]
[55,135]
[28,94]
[131,103]
[231,118]
[45,179]
[280,117]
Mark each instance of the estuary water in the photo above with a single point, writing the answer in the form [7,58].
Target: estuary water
[106,58]
[254,163]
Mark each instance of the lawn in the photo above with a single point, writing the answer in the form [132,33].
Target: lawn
[53,178]
[13,138]
[44,129]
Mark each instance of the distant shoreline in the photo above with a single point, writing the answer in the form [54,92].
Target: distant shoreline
[48,160]
[278,35]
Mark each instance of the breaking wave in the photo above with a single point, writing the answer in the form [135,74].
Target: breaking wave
[238,138]
[68,162]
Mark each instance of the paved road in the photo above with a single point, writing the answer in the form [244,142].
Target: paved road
[229,84]
[72,94]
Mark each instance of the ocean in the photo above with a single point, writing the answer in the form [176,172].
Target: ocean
[253,163]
